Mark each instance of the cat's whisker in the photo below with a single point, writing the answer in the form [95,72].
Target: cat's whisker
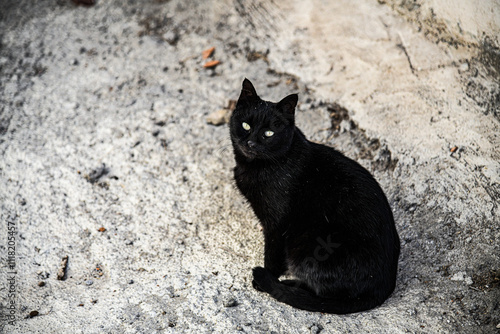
[223,145]
[223,149]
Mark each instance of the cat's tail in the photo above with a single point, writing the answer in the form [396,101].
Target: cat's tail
[303,299]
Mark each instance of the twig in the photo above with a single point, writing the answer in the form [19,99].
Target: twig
[402,45]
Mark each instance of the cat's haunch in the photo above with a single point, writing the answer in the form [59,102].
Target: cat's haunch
[325,219]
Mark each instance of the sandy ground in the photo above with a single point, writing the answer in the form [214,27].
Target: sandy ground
[107,158]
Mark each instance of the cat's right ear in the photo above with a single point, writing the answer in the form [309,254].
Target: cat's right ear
[288,104]
[248,92]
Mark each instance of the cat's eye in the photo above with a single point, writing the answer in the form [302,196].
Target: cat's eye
[246,126]
[268,133]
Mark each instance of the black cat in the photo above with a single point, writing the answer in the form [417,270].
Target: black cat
[326,221]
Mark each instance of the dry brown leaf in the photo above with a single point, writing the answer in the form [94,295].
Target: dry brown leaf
[211,64]
[208,52]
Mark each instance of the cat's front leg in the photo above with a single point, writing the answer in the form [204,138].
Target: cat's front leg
[274,254]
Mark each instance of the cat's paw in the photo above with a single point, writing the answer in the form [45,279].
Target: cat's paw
[262,279]
[257,272]
[256,286]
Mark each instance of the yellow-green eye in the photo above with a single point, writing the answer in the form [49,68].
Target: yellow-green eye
[268,133]
[246,126]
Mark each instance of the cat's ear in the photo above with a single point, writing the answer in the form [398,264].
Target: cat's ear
[288,104]
[248,92]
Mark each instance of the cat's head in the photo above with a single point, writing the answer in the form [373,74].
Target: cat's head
[260,129]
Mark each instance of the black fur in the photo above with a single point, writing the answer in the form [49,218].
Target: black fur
[326,221]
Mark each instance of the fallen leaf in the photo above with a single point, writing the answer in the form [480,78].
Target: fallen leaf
[211,63]
[208,52]
[219,117]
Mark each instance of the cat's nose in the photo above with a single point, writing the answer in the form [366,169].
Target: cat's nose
[251,144]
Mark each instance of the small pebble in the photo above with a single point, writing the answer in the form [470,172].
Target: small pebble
[345,126]
[464,67]
[231,302]
[41,283]
[315,329]
[89,282]
[171,37]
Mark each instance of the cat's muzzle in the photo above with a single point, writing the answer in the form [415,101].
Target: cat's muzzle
[250,150]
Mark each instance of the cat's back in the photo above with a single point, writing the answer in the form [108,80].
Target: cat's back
[336,196]
[327,167]
[336,184]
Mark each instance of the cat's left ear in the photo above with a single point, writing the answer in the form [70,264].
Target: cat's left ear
[288,104]
[248,92]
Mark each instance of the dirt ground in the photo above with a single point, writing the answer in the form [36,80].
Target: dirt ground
[119,213]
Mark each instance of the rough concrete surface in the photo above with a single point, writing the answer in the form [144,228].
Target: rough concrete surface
[463,22]
[106,158]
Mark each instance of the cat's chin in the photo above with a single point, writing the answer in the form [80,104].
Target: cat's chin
[249,155]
